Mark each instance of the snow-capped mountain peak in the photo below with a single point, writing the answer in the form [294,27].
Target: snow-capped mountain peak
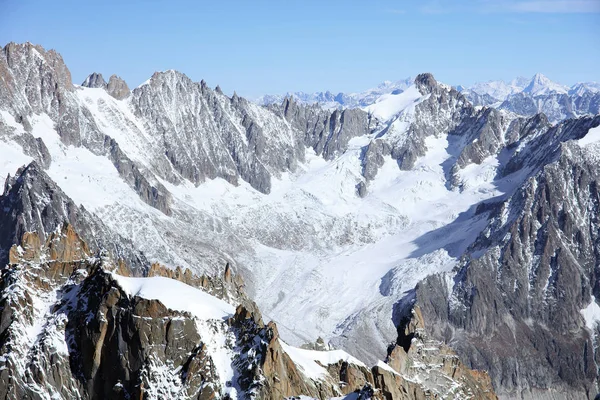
[541,85]
[580,88]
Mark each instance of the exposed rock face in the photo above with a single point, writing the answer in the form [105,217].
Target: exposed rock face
[327,132]
[117,88]
[33,202]
[146,334]
[96,341]
[34,82]
[211,135]
[513,307]
[417,357]
[94,80]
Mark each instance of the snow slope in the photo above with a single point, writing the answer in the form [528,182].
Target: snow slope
[176,296]
[389,105]
[311,361]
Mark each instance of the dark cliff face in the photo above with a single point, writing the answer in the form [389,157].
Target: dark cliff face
[94,341]
[115,340]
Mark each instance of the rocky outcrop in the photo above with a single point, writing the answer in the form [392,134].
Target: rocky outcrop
[228,287]
[94,80]
[117,88]
[147,334]
[326,132]
[33,202]
[440,112]
[416,357]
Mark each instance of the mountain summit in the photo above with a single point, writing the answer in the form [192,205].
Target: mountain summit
[541,85]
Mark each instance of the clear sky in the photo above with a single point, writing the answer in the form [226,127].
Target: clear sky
[258,47]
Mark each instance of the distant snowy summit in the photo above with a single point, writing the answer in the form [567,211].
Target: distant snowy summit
[537,95]
[521,96]
[341,100]
[538,85]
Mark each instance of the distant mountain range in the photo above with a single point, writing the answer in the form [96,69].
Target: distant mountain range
[341,100]
[522,96]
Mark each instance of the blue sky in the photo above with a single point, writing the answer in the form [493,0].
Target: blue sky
[257,47]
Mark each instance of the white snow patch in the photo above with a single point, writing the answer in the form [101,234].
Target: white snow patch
[176,296]
[386,367]
[11,154]
[473,175]
[591,314]
[389,105]
[591,138]
[307,359]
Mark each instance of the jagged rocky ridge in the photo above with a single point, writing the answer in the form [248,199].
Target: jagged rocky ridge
[147,138]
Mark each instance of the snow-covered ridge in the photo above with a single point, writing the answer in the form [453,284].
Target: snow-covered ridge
[311,362]
[176,296]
